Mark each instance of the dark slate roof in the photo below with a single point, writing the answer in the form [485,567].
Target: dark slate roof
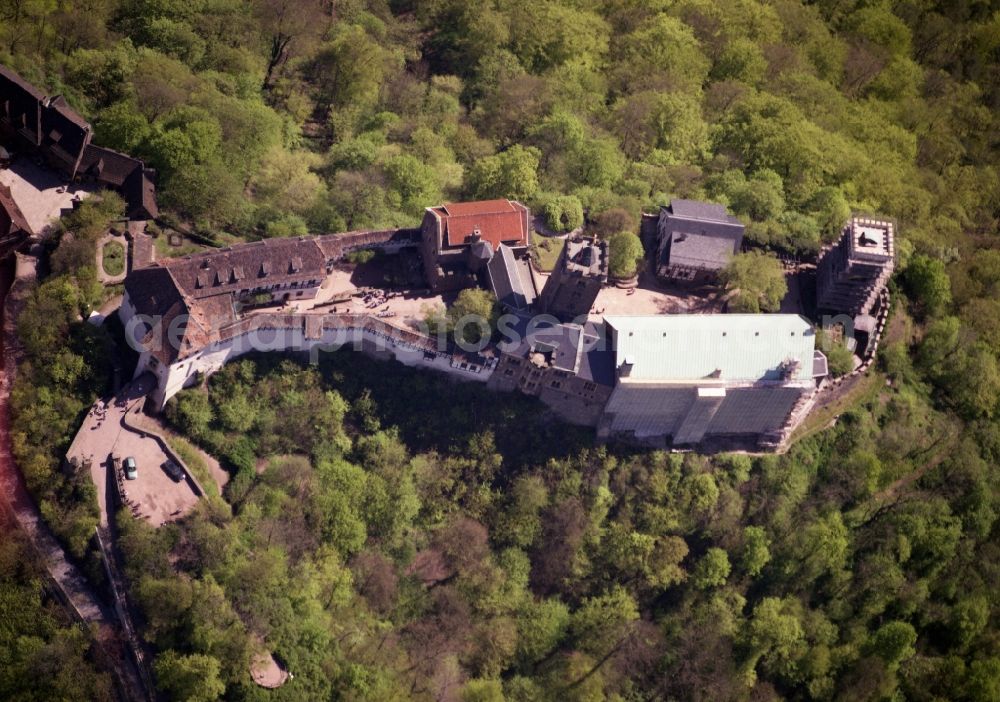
[180,325]
[559,342]
[23,99]
[702,252]
[11,218]
[140,194]
[128,174]
[754,410]
[59,104]
[152,290]
[11,80]
[108,166]
[248,265]
[597,364]
[705,211]
[512,287]
[702,218]
[569,347]
[64,127]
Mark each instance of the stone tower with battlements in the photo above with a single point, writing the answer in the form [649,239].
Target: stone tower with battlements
[578,276]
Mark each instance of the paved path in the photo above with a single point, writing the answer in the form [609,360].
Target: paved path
[649,297]
[16,501]
[142,252]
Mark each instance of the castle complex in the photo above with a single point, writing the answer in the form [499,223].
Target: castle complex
[708,382]
[459,239]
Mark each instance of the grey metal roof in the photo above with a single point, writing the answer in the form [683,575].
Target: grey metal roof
[742,347]
[695,425]
[511,281]
[649,410]
[821,368]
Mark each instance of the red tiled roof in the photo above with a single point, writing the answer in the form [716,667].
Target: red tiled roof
[498,222]
[464,209]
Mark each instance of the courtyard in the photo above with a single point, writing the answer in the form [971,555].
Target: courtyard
[40,193]
[345,290]
[652,297]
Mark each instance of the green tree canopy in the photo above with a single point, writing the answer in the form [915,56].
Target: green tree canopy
[473,315]
[512,174]
[563,213]
[192,678]
[625,254]
[756,281]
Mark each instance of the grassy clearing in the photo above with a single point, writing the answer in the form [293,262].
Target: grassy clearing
[861,389]
[113,258]
[546,250]
[195,463]
[165,250]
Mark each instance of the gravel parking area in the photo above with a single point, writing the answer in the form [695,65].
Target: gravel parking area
[102,435]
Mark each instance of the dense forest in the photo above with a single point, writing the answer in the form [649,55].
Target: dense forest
[389,535]
[43,655]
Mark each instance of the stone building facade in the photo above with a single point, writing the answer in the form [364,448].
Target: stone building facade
[851,274]
[459,239]
[578,276]
[565,365]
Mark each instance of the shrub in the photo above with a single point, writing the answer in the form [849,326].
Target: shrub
[564,213]
[626,252]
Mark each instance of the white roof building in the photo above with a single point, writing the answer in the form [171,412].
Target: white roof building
[715,381]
